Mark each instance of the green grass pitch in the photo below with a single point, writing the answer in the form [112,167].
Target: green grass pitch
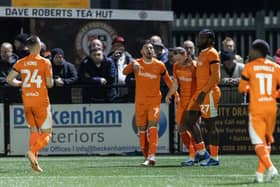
[126,171]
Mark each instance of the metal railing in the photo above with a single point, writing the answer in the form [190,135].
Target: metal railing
[242,27]
[74,94]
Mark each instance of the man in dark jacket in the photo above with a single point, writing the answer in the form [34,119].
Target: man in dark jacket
[64,74]
[97,71]
[121,58]
[7,60]
[21,49]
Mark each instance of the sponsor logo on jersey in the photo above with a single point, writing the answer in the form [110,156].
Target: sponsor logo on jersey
[199,63]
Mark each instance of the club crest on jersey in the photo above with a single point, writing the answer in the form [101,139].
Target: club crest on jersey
[199,63]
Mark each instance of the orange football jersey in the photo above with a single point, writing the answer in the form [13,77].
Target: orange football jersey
[33,72]
[185,74]
[148,78]
[261,77]
[203,70]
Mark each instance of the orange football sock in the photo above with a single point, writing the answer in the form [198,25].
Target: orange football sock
[193,142]
[153,140]
[261,167]
[200,147]
[42,141]
[33,137]
[144,144]
[214,151]
[187,141]
[191,150]
[263,155]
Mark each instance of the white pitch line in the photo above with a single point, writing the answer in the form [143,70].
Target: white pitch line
[122,176]
[90,158]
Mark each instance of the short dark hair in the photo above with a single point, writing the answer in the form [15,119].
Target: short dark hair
[146,42]
[179,50]
[209,33]
[262,46]
[32,41]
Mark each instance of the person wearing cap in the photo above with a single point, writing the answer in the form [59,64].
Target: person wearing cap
[121,58]
[277,56]
[64,75]
[97,72]
[161,52]
[230,69]
[207,96]
[64,72]
[21,50]
[260,78]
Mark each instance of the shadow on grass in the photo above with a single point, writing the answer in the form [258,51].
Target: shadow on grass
[239,183]
[138,166]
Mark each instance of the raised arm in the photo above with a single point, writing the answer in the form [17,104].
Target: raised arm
[128,69]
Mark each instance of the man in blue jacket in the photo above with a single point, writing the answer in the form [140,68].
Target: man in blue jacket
[98,73]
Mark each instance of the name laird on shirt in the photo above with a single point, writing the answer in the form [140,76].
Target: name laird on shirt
[264,68]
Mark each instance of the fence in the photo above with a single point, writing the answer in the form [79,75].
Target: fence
[71,100]
[242,27]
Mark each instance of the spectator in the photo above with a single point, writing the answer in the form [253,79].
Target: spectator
[169,64]
[230,76]
[98,71]
[277,56]
[21,50]
[7,60]
[161,51]
[64,74]
[189,47]
[44,52]
[95,43]
[231,70]
[229,45]
[121,58]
